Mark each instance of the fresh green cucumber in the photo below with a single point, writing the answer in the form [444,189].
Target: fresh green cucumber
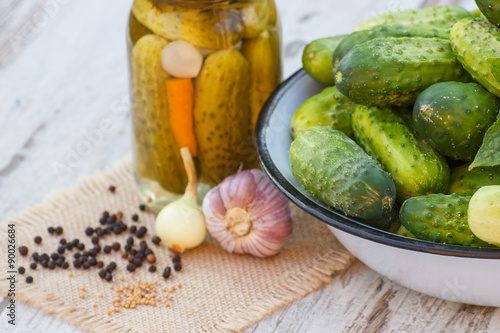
[394,71]
[490,9]
[415,167]
[335,170]
[438,17]
[317,59]
[454,117]
[381,31]
[328,108]
[439,218]
[476,43]
[484,214]
[465,182]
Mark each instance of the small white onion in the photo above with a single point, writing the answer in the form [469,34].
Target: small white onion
[181,59]
[247,214]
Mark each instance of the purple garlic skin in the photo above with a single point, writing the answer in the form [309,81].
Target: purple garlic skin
[246,213]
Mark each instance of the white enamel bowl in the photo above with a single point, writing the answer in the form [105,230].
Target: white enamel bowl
[455,273]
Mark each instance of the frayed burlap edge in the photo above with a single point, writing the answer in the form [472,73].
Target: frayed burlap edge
[319,273]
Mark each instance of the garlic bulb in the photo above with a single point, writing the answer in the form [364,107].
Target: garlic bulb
[247,214]
[181,59]
[181,224]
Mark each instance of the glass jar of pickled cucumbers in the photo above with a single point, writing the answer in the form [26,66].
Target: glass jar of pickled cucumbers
[201,71]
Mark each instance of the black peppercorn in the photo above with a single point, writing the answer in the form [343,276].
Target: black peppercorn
[116,246]
[95,240]
[59,262]
[137,262]
[86,265]
[37,239]
[52,264]
[176,259]
[92,261]
[117,229]
[62,241]
[130,240]
[35,256]
[21,270]
[77,264]
[97,248]
[61,249]
[133,229]
[81,246]
[75,242]
[102,273]
[59,230]
[106,249]
[44,263]
[89,231]
[135,217]
[133,252]
[152,269]
[131,268]
[100,264]
[112,265]
[112,188]
[105,214]
[54,256]
[111,219]
[44,256]
[109,277]
[33,265]
[23,250]
[127,247]
[65,265]
[69,246]
[166,272]
[77,255]
[142,207]
[29,279]
[177,266]
[51,230]
[156,240]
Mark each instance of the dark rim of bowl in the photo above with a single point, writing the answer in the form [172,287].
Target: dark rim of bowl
[337,219]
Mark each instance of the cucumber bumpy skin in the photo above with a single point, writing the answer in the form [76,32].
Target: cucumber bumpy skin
[465,182]
[490,9]
[415,167]
[317,59]
[454,117]
[484,214]
[394,71]
[476,43]
[328,108]
[381,31]
[438,17]
[439,218]
[339,173]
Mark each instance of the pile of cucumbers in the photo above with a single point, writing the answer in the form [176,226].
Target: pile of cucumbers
[408,130]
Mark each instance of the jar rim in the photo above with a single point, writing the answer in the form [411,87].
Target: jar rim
[197,2]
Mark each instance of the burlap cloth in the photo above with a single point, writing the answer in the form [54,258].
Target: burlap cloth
[219,291]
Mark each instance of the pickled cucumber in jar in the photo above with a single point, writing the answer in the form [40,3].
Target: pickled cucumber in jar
[200,74]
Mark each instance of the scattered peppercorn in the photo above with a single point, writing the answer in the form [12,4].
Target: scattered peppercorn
[177,266]
[61,249]
[37,239]
[86,265]
[109,277]
[69,246]
[89,231]
[156,240]
[133,229]
[23,250]
[44,264]
[131,268]
[95,240]
[142,207]
[33,265]
[141,232]
[58,230]
[92,261]
[81,246]
[116,246]
[75,242]
[152,269]
[65,265]
[29,279]
[166,272]
[135,217]
[21,270]
[77,264]
[106,249]
[52,264]
[176,259]
[54,256]
[100,264]
[51,230]
[62,241]
[35,256]
[112,189]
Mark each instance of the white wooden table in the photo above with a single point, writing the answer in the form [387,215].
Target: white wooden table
[63,72]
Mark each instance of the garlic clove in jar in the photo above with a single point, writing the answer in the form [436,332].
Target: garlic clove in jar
[246,213]
[181,59]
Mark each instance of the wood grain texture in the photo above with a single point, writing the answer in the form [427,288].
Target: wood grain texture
[69,81]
